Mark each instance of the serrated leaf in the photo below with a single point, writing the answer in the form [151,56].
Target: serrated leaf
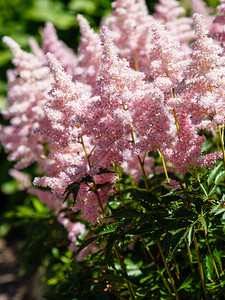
[73,188]
[143,197]
[219,177]
[177,239]
[87,178]
[109,249]
[220,211]
[108,229]
[190,235]
[217,258]
[186,283]
[209,268]
[213,173]
[203,222]
[204,188]
[198,205]
[86,243]
[217,209]
[212,190]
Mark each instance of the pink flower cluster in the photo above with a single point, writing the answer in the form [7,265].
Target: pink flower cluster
[134,88]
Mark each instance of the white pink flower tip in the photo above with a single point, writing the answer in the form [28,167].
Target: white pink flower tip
[53,61]
[11,44]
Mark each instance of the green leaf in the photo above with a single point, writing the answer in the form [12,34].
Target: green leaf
[73,188]
[213,173]
[51,11]
[109,251]
[166,242]
[212,190]
[80,5]
[5,57]
[190,235]
[39,206]
[209,268]
[217,209]
[217,257]
[86,243]
[186,283]
[219,177]
[87,178]
[143,197]
[177,239]
[108,229]
[203,222]
[204,187]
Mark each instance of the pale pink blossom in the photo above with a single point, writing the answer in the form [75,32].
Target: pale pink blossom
[51,43]
[23,179]
[168,13]
[28,86]
[208,160]
[89,54]
[187,148]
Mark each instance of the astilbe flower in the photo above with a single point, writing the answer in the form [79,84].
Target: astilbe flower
[129,23]
[208,160]
[89,54]
[203,88]
[167,60]
[187,148]
[117,88]
[168,13]
[132,166]
[23,179]
[67,100]
[219,20]
[28,86]
[152,121]
[51,43]
[66,109]
[200,7]
[129,114]
[74,229]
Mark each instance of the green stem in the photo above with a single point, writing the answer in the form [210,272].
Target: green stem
[212,258]
[176,121]
[157,266]
[164,166]
[189,257]
[143,172]
[200,267]
[123,267]
[222,144]
[167,269]
[140,161]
